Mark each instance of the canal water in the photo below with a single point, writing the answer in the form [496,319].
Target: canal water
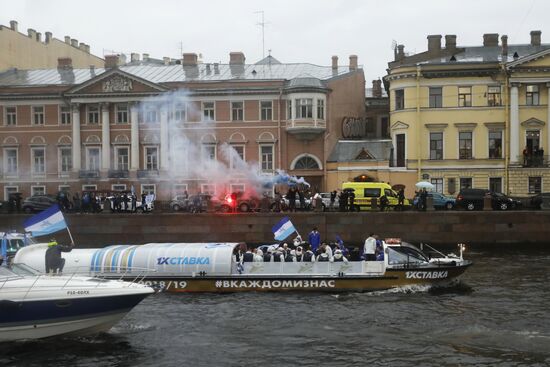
[498,316]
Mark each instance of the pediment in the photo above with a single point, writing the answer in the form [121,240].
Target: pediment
[364,154]
[399,126]
[539,59]
[116,81]
[532,122]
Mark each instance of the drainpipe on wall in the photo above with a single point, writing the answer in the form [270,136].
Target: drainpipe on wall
[418,127]
[506,147]
[327,135]
[279,154]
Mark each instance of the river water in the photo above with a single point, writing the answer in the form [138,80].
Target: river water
[498,316]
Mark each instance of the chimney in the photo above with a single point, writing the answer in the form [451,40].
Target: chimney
[166,60]
[208,70]
[87,49]
[111,61]
[82,46]
[74,42]
[434,42]
[64,63]
[334,63]
[377,88]
[134,57]
[400,52]
[490,39]
[32,33]
[48,36]
[450,41]
[504,41]
[13,25]
[189,59]
[216,68]
[68,40]
[352,62]
[145,57]
[535,38]
[236,58]
[38,37]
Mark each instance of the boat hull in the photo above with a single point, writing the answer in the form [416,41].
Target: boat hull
[392,278]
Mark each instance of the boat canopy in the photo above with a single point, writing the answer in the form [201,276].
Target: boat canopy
[213,258]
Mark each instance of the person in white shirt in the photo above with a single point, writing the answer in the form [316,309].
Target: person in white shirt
[369,250]
[259,256]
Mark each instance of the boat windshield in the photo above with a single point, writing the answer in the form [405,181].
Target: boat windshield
[23,270]
[405,255]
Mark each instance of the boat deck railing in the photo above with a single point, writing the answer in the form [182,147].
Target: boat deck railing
[310,268]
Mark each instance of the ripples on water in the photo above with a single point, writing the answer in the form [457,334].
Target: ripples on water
[498,316]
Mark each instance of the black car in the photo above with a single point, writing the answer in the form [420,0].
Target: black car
[38,203]
[536,201]
[472,199]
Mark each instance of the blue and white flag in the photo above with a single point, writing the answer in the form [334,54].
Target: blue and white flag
[49,221]
[283,229]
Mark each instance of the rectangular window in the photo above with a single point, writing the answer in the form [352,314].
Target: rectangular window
[93,159]
[399,99]
[535,185]
[321,109]
[208,151]
[465,183]
[122,113]
[289,109]
[38,115]
[495,144]
[8,190]
[495,184]
[10,155]
[266,156]
[93,115]
[436,97]
[237,112]
[11,116]
[122,154]
[237,156]
[237,188]
[304,108]
[208,189]
[66,157]
[465,145]
[493,96]
[532,95]
[38,190]
[150,114]
[208,111]
[151,158]
[436,145]
[180,189]
[118,187]
[148,189]
[266,110]
[89,187]
[438,184]
[464,96]
[38,161]
[65,115]
[64,188]
[180,112]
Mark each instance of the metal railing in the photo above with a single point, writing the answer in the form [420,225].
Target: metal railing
[532,160]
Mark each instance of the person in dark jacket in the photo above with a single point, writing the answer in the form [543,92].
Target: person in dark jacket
[54,261]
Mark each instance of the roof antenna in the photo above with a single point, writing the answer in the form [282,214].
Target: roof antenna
[262,24]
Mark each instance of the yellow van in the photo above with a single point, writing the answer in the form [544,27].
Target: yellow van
[366,191]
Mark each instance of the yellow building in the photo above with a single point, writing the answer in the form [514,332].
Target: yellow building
[31,51]
[473,116]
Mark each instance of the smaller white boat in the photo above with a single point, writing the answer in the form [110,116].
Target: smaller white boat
[33,305]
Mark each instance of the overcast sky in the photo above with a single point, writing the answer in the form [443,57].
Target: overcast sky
[295,30]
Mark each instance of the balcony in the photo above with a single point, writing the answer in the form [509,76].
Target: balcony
[91,173]
[147,173]
[531,160]
[118,173]
[306,129]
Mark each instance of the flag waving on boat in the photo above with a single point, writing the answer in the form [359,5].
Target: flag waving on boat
[283,229]
[49,221]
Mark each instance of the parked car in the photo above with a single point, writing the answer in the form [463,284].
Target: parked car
[440,201]
[325,197]
[179,202]
[536,201]
[38,203]
[472,199]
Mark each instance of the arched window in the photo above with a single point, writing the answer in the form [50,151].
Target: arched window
[306,162]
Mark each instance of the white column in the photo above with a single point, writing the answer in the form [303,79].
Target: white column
[164,138]
[514,123]
[76,137]
[134,154]
[105,138]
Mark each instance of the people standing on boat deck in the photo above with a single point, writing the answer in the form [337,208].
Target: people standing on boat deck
[290,256]
[258,256]
[369,249]
[278,255]
[314,239]
[323,257]
[309,256]
[339,257]
[298,241]
[299,254]
[268,256]
[379,249]
[248,256]
[54,261]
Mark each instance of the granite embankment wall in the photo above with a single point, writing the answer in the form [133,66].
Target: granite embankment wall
[488,228]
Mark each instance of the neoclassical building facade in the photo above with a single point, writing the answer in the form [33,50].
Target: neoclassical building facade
[170,126]
[473,116]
